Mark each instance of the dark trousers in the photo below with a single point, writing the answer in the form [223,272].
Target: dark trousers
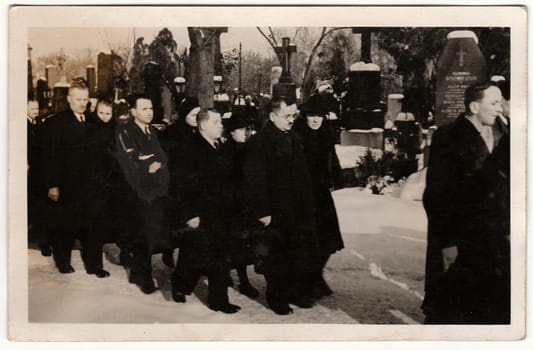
[70,220]
[91,251]
[198,256]
[147,241]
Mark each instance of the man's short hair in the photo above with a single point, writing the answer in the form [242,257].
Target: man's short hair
[276,102]
[78,83]
[203,115]
[103,102]
[132,99]
[475,93]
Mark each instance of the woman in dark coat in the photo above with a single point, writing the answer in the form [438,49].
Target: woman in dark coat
[237,129]
[172,140]
[325,171]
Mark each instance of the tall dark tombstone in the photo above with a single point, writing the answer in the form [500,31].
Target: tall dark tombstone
[91,80]
[285,87]
[31,94]
[153,81]
[105,83]
[60,102]
[366,43]
[362,104]
[43,93]
[460,65]
[51,77]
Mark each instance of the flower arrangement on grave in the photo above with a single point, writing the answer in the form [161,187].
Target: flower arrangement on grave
[378,174]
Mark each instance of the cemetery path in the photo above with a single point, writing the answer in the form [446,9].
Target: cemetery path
[377,278]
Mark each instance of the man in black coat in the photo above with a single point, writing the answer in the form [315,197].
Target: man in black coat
[145,167]
[467,264]
[280,197]
[36,186]
[68,162]
[202,187]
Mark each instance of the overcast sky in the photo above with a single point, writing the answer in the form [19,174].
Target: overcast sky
[49,40]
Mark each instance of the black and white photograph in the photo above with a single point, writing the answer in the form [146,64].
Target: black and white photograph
[324,173]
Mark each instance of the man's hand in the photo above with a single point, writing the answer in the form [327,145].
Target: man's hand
[155,166]
[194,223]
[265,220]
[449,255]
[53,193]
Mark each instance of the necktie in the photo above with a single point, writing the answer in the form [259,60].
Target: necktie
[215,144]
[147,131]
[82,117]
[488,137]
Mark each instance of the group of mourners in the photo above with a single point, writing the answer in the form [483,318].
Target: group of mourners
[226,197]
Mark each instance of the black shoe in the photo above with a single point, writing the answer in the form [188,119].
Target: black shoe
[168,258]
[226,308]
[178,296]
[65,268]
[46,251]
[281,308]
[100,273]
[248,290]
[303,302]
[124,258]
[148,288]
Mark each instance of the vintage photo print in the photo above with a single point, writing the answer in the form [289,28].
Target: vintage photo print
[267,173]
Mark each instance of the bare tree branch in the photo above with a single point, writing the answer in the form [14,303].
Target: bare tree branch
[323,35]
[267,38]
[273,36]
[296,33]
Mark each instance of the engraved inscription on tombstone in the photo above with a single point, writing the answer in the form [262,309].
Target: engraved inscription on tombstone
[460,65]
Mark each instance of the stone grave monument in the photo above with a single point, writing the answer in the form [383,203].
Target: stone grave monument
[285,87]
[460,65]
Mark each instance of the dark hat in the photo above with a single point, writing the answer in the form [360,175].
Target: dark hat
[315,105]
[187,105]
[238,120]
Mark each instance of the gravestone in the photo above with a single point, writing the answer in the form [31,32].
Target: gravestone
[460,65]
[91,80]
[169,113]
[394,106]
[105,76]
[50,74]
[31,94]
[42,93]
[362,105]
[153,82]
[60,102]
[275,74]
[285,87]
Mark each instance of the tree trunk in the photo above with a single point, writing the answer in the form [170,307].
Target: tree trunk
[205,42]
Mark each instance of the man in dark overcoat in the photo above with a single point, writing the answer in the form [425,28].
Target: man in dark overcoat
[467,263]
[202,186]
[145,168]
[36,186]
[68,162]
[280,198]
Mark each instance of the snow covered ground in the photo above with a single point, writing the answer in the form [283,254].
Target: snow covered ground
[377,278]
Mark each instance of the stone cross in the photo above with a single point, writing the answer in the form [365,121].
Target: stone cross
[366,43]
[284,55]
[461,54]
